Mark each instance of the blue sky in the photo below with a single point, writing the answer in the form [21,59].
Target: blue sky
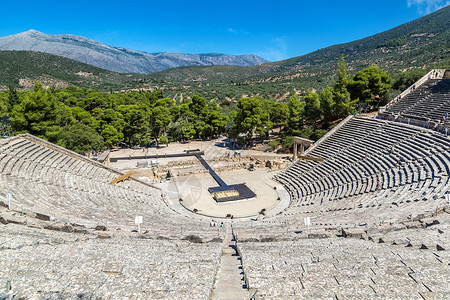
[272,29]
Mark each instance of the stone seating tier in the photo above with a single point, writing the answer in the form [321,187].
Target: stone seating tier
[370,163]
[67,187]
[42,263]
[431,100]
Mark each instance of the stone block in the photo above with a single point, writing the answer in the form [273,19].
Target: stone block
[42,217]
[14,221]
[372,231]
[80,230]
[100,228]
[385,228]
[321,234]
[413,224]
[418,217]
[400,241]
[59,227]
[434,222]
[103,235]
[353,232]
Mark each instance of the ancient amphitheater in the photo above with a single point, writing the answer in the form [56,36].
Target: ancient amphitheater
[379,220]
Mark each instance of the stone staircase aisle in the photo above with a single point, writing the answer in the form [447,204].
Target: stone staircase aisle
[229,281]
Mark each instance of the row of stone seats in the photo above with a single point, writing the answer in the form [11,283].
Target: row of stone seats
[42,264]
[420,94]
[330,222]
[437,106]
[343,269]
[434,238]
[370,163]
[368,167]
[375,174]
[65,186]
[430,100]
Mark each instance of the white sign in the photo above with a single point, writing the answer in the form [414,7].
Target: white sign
[307,222]
[138,220]
[8,197]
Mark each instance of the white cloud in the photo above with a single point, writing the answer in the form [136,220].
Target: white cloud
[428,6]
[277,52]
[237,31]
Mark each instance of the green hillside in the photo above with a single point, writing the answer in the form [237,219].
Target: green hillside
[417,45]
[420,44]
[21,68]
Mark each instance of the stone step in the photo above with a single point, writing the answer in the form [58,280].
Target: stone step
[229,280]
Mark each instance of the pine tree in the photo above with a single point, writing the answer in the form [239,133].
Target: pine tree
[13,98]
[342,80]
[343,105]
[296,113]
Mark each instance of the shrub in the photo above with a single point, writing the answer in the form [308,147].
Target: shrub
[274,144]
[163,140]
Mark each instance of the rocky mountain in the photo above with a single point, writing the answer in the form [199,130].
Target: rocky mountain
[117,59]
[415,46]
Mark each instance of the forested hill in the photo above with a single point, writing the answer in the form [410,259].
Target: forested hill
[419,43]
[21,68]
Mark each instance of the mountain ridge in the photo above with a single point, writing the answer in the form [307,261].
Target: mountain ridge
[116,59]
[418,45]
